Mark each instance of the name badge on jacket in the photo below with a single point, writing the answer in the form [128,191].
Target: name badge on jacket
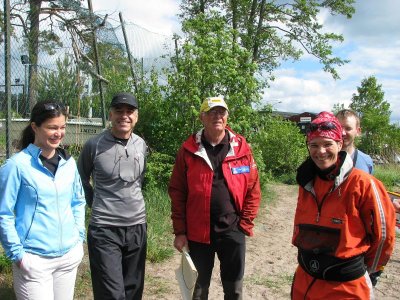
[240,170]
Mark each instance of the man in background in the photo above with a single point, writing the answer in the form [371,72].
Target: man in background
[351,130]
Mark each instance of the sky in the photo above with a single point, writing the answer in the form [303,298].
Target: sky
[371,43]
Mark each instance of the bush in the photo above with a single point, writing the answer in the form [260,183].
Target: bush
[282,145]
[258,157]
[158,170]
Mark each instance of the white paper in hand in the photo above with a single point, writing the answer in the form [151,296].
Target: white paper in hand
[186,275]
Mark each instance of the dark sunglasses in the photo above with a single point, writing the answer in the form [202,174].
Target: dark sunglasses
[53,106]
[322,126]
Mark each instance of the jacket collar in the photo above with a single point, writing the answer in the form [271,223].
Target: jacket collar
[35,151]
[308,170]
[194,145]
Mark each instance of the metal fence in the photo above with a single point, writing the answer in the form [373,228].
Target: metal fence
[64,66]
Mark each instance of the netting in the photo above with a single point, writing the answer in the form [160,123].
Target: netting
[65,67]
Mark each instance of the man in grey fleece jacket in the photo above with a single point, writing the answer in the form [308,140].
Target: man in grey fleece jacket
[115,161]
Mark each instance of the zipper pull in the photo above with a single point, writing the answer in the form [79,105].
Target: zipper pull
[317,220]
[126,151]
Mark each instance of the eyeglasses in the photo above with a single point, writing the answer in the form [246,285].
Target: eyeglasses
[53,106]
[322,126]
[219,112]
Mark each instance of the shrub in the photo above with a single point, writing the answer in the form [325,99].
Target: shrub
[158,170]
[282,145]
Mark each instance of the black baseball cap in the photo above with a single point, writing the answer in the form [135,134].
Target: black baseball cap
[124,98]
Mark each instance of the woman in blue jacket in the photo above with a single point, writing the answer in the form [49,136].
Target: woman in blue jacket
[42,209]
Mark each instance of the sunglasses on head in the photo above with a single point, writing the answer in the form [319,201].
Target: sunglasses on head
[322,126]
[53,106]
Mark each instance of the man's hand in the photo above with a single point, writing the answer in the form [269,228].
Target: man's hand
[396,204]
[374,277]
[180,242]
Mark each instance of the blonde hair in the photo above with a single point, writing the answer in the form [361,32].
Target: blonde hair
[346,113]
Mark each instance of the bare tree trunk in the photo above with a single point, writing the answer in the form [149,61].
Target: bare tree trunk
[235,10]
[258,33]
[33,49]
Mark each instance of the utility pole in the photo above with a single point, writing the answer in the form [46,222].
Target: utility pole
[7,74]
[98,67]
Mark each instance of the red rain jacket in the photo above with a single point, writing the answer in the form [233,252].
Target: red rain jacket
[191,182]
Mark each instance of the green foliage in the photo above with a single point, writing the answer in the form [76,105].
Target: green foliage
[157,123]
[261,166]
[74,150]
[208,63]
[159,230]
[41,22]
[5,264]
[158,170]
[337,107]
[282,145]
[115,69]
[62,85]
[389,174]
[275,31]
[374,113]
[370,99]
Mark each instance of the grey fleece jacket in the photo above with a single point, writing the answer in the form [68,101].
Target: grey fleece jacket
[117,173]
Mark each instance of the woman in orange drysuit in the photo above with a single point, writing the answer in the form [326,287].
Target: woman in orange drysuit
[344,222]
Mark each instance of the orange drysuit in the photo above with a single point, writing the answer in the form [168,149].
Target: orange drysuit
[344,228]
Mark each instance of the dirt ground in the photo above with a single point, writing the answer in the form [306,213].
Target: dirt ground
[270,260]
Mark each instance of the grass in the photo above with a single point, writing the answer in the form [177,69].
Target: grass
[271,282]
[390,176]
[156,285]
[159,231]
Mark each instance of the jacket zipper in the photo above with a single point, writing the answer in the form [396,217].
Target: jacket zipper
[319,205]
[58,213]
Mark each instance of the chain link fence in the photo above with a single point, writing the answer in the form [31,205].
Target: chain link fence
[58,60]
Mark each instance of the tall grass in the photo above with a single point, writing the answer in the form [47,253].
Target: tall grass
[389,174]
[159,226]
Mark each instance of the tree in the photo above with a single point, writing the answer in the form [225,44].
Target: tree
[208,63]
[275,30]
[62,85]
[115,71]
[337,107]
[63,15]
[374,113]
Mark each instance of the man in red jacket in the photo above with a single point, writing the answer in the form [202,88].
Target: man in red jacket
[215,193]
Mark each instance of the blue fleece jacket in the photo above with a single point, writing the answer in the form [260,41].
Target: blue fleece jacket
[40,213]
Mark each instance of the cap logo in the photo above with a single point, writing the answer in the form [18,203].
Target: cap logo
[212,102]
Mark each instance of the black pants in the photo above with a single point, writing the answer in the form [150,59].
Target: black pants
[117,261]
[230,247]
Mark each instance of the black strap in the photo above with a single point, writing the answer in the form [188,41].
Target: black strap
[331,268]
